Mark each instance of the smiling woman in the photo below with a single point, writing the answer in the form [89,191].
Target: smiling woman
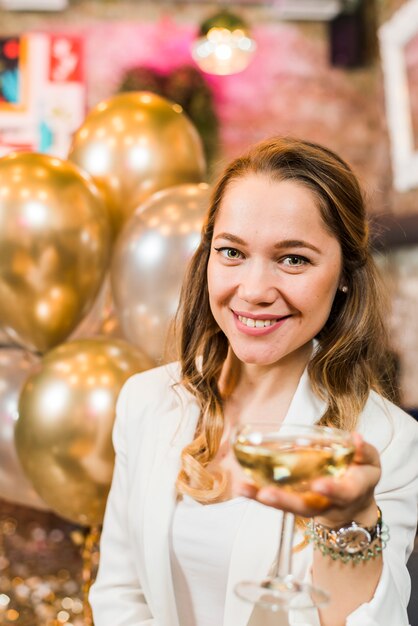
[281,322]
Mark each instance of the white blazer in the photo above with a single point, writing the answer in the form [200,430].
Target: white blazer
[154,422]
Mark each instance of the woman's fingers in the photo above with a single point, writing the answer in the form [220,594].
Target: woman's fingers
[358,481]
[349,488]
[308,503]
[365,454]
[305,504]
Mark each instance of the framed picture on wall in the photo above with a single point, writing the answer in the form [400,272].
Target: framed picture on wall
[42,92]
[399,53]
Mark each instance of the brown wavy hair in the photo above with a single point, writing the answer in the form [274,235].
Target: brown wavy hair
[353,347]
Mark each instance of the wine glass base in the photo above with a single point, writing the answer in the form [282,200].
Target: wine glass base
[281,594]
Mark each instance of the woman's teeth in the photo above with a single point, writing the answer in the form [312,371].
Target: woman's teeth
[252,323]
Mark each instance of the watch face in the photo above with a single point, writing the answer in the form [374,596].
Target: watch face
[353,539]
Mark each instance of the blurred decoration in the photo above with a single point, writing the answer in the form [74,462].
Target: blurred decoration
[224,44]
[66,415]
[340,109]
[149,262]
[188,87]
[54,248]
[15,368]
[134,144]
[90,552]
[42,565]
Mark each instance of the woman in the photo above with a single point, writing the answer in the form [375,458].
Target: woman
[280,321]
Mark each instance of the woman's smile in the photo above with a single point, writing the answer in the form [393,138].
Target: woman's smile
[258,325]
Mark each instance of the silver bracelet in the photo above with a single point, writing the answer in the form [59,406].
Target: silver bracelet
[352,543]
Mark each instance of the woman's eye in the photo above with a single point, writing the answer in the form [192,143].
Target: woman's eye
[229,253]
[295,261]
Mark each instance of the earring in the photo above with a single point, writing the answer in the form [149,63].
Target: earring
[344,289]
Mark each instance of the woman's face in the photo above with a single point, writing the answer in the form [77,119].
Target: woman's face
[273,268]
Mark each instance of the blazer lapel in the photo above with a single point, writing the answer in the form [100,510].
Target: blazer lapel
[174,432]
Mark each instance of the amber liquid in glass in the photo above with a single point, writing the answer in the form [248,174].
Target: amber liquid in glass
[291,464]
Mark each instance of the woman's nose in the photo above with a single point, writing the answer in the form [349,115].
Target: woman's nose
[257,285]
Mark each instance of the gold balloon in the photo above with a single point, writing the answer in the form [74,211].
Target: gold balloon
[54,248]
[66,415]
[134,144]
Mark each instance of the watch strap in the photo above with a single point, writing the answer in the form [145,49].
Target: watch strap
[351,542]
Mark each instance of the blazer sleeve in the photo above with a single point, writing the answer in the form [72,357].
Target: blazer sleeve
[116,597]
[396,494]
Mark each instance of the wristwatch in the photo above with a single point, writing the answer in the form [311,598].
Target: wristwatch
[351,538]
[351,541]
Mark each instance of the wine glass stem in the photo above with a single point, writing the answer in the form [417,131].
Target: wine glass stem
[283,564]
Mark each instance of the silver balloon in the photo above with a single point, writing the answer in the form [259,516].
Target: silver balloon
[149,261]
[15,368]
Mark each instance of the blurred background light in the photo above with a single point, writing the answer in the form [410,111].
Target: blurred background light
[224,44]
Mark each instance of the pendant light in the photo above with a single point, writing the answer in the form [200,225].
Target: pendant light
[224,44]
